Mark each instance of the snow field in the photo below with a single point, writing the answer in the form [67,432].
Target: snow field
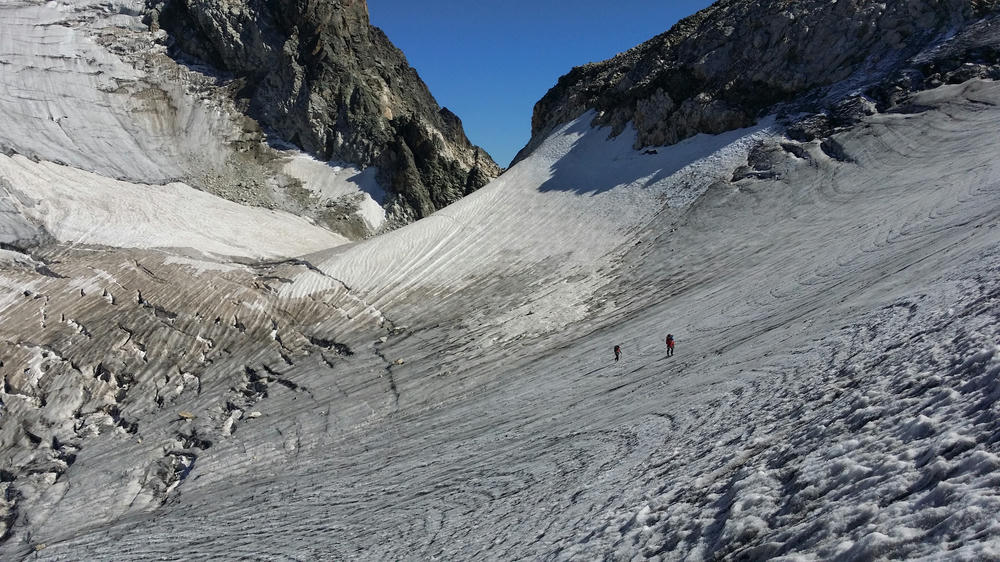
[832,395]
[882,443]
[580,224]
[338,183]
[83,207]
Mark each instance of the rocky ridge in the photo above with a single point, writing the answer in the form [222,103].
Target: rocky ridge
[725,66]
[320,76]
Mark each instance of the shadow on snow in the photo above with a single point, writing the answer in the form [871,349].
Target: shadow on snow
[597,163]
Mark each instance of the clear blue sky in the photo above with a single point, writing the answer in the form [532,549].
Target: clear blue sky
[489,61]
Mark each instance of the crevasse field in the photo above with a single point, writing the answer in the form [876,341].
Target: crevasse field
[186,377]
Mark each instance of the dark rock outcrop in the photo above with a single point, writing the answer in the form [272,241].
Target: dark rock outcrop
[722,67]
[319,75]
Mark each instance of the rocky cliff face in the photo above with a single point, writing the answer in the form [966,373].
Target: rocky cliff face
[318,75]
[721,68]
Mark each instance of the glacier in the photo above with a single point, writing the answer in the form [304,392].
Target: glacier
[187,376]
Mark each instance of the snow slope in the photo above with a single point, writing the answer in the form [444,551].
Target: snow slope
[86,208]
[448,390]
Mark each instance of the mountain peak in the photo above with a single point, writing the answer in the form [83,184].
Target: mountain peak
[319,75]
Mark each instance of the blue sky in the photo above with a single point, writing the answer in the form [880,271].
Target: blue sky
[490,61]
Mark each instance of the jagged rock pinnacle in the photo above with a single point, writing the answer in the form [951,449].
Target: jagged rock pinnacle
[319,75]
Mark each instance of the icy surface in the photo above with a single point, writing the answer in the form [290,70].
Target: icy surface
[449,390]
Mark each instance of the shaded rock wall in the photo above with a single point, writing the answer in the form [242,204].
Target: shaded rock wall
[318,75]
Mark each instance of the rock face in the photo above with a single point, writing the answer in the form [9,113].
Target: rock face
[722,67]
[319,75]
